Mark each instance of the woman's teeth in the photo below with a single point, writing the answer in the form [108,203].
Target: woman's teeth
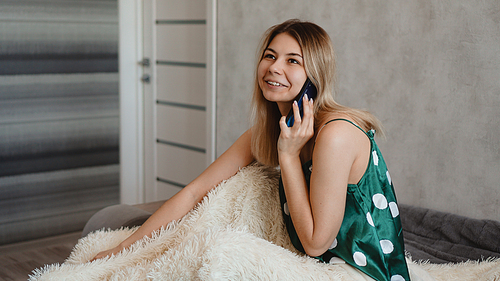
[274,83]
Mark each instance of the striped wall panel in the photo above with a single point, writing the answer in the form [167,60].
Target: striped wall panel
[59,117]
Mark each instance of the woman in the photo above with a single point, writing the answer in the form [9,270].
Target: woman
[343,209]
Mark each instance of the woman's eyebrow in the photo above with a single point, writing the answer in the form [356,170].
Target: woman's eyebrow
[289,54]
[270,49]
[294,54]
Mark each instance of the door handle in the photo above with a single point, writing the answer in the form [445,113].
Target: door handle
[145,62]
[146,78]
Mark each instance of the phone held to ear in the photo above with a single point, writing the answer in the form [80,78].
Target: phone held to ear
[311,92]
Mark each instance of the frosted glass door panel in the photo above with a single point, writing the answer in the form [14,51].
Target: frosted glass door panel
[181,126]
[184,43]
[179,166]
[182,84]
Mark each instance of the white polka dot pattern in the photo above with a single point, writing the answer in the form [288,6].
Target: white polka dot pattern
[334,244]
[387,246]
[370,219]
[355,245]
[359,258]
[394,209]
[375,158]
[397,278]
[336,260]
[379,201]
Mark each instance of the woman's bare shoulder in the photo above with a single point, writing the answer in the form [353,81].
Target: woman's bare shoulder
[337,132]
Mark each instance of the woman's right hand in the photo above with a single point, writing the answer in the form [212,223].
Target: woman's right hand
[292,139]
[108,253]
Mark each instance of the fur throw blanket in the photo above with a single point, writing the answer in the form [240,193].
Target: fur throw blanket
[235,233]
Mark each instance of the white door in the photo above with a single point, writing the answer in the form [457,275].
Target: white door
[179,93]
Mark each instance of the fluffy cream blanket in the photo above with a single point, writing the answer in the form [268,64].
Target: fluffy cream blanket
[235,233]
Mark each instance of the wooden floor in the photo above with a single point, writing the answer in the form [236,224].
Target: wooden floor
[18,260]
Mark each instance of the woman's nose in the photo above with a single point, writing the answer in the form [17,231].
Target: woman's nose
[276,67]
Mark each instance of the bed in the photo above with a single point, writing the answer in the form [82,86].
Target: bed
[237,233]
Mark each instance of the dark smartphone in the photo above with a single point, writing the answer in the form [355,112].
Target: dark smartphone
[311,92]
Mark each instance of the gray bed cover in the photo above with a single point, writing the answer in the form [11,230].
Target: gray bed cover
[443,237]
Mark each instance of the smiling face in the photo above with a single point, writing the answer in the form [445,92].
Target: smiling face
[281,73]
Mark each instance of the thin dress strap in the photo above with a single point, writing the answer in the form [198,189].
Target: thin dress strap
[370,133]
[342,119]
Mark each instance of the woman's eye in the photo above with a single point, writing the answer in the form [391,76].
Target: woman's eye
[293,61]
[269,56]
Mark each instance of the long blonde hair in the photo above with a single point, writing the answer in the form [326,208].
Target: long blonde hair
[319,64]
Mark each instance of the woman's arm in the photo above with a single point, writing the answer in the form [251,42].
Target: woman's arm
[317,213]
[237,156]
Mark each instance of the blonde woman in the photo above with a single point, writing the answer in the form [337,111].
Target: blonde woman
[336,194]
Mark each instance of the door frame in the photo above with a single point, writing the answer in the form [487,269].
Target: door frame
[132,105]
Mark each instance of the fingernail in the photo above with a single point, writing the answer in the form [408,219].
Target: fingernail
[295,102]
[306,97]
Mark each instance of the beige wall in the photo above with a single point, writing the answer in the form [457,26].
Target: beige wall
[430,70]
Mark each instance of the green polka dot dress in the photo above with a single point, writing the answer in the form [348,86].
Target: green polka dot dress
[371,236]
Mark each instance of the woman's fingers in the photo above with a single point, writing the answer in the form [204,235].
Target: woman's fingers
[308,112]
[101,255]
[292,139]
[303,126]
[108,253]
[283,124]
[296,114]
[307,109]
